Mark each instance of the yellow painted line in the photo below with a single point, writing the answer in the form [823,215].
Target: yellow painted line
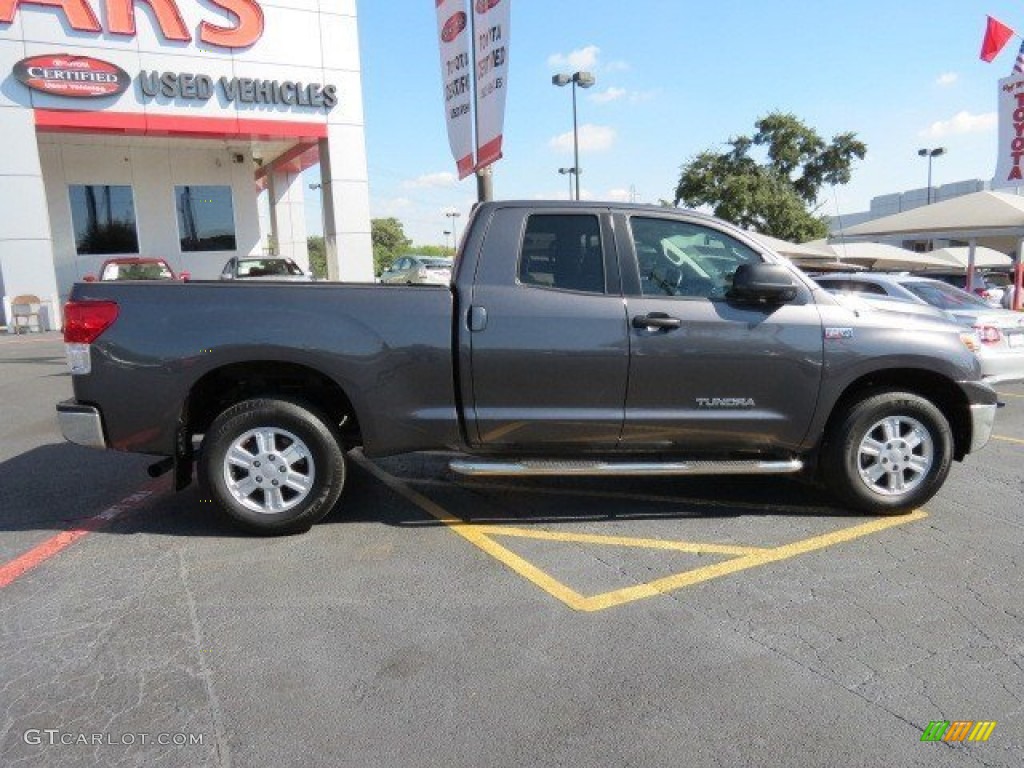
[475,536]
[774,555]
[1008,439]
[1007,394]
[622,541]
[479,534]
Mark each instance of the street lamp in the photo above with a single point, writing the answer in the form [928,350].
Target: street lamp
[453,215]
[583,80]
[931,153]
[570,172]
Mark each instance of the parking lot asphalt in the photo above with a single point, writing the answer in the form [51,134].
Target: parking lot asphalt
[436,621]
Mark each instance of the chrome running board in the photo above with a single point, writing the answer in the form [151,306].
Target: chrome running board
[527,467]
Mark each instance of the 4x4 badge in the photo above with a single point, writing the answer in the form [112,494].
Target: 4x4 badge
[839,333]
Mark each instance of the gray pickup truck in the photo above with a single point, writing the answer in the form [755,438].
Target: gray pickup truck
[575,339]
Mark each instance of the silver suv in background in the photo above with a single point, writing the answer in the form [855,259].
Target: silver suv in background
[1000,332]
[413,268]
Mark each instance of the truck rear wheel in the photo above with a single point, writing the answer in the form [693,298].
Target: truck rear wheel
[889,453]
[272,466]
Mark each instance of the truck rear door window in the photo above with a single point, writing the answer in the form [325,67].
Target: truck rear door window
[679,258]
[563,251]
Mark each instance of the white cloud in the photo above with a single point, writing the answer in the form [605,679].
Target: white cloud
[395,204]
[960,123]
[580,59]
[616,66]
[605,97]
[442,179]
[592,138]
[947,79]
[637,97]
[618,195]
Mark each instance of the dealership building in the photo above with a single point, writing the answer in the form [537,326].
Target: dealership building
[176,129]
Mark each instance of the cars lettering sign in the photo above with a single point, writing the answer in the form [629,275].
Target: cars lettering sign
[81,77]
[244,29]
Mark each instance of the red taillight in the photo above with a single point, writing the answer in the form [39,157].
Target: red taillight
[86,320]
[988,334]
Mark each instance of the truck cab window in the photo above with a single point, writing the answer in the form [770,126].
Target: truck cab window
[678,258]
[563,251]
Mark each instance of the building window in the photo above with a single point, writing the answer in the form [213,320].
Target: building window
[103,216]
[206,218]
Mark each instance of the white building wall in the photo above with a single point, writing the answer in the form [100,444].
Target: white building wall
[303,40]
[153,173]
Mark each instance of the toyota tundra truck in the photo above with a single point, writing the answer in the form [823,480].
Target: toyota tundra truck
[574,339]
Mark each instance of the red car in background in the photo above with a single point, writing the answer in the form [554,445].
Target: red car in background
[136,268]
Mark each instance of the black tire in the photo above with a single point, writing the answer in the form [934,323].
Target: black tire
[914,445]
[302,453]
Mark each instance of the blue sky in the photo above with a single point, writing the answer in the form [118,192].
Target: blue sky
[675,78]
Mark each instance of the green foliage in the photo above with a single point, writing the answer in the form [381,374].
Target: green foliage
[773,197]
[442,251]
[317,256]
[389,242]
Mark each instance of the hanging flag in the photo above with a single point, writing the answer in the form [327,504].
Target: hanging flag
[456,61]
[491,36]
[1018,66]
[997,35]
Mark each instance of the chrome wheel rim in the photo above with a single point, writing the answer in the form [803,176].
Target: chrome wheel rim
[895,456]
[269,470]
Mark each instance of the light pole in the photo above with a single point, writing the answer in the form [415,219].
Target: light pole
[570,172]
[454,215]
[583,80]
[931,153]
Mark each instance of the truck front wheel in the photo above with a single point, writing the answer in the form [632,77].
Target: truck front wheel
[888,453]
[272,466]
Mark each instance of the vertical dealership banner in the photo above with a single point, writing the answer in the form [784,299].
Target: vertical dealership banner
[1010,160]
[453,32]
[491,35]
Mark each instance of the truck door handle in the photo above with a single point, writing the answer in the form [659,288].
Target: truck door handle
[476,319]
[659,320]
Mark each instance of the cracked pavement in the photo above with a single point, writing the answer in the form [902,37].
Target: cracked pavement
[382,639]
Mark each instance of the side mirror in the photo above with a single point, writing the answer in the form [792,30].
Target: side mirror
[762,284]
[89,279]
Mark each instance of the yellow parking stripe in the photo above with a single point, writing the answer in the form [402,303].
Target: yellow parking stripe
[1008,439]
[742,558]
[622,541]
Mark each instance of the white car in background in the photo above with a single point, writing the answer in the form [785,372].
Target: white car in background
[264,268]
[413,268]
[1000,332]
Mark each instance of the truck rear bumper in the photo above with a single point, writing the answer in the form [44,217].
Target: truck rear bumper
[81,424]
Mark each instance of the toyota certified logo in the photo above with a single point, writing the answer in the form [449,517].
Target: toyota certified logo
[483,6]
[80,77]
[453,27]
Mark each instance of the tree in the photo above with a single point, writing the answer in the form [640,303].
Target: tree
[317,256]
[389,241]
[776,197]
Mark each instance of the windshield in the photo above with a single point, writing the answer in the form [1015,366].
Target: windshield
[944,296]
[140,271]
[267,267]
